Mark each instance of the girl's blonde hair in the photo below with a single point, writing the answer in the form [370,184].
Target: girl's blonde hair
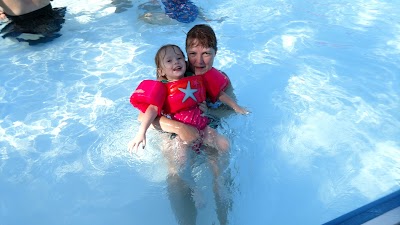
[161,54]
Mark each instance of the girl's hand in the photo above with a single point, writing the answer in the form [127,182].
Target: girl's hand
[203,106]
[134,143]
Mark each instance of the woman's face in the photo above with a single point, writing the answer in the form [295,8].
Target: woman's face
[200,59]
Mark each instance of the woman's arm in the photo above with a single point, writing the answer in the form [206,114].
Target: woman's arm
[223,97]
[185,132]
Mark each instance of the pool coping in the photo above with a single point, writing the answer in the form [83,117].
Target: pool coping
[380,210]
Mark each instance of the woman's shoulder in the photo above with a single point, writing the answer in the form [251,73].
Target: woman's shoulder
[223,72]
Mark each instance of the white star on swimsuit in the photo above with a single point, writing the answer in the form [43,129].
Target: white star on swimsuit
[189,92]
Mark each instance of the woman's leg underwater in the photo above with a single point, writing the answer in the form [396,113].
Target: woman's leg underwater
[218,158]
[179,191]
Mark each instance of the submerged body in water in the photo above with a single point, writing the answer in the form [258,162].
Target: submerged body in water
[172,12]
[35,27]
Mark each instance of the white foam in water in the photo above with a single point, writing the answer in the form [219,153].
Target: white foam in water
[380,166]
[328,121]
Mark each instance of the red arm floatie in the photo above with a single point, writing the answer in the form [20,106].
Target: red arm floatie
[184,94]
[215,83]
[149,92]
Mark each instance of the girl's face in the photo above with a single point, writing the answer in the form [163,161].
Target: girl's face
[173,65]
[200,59]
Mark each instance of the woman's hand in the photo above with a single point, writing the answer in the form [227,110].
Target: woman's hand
[203,106]
[241,110]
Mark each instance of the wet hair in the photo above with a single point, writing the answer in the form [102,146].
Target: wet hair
[202,35]
[161,54]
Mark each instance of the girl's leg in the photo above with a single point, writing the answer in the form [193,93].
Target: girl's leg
[176,153]
[215,140]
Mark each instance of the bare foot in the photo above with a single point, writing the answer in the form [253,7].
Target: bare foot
[2,16]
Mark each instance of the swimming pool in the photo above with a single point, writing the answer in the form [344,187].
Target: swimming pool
[321,80]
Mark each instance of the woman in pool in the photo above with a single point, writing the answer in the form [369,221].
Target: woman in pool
[201,49]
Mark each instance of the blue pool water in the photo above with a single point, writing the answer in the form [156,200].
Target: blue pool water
[322,79]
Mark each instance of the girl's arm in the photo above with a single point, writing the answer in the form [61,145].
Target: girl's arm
[146,119]
[223,97]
